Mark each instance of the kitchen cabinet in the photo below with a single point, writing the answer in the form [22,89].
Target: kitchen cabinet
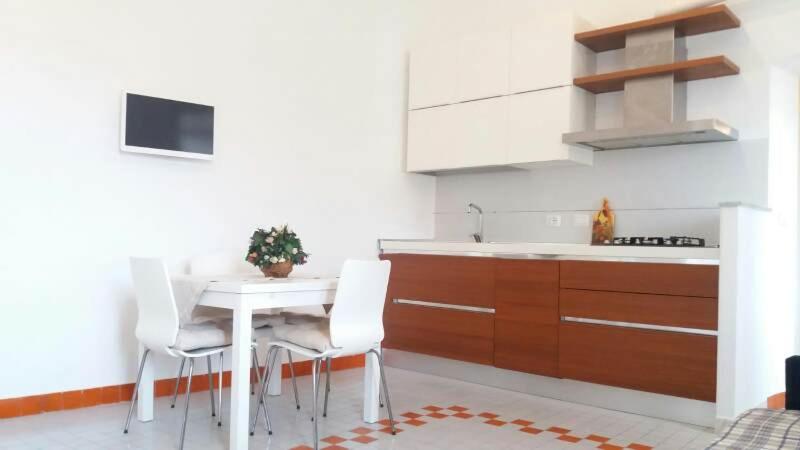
[471,67]
[666,279]
[544,53]
[522,130]
[482,65]
[663,362]
[471,105]
[433,71]
[643,326]
[526,316]
[459,136]
[441,306]
[537,120]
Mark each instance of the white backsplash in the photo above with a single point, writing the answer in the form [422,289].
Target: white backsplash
[662,191]
[533,226]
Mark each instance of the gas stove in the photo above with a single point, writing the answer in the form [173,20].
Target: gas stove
[672,241]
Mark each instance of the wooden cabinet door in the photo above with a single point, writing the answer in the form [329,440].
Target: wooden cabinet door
[679,364]
[453,280]
[448,333]
[526,316]
[453,316]
[643,278]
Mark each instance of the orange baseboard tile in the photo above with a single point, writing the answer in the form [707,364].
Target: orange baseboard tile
[57,401]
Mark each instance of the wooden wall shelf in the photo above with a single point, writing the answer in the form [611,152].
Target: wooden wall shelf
[687,23]
[694,69]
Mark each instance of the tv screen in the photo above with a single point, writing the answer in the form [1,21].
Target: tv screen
[167,127]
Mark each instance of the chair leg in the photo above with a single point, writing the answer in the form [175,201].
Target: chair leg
[136,390]
[211,385]
[257,365]
[315,390]
[385,388]
[219,390]
[327,386]
[258,373]
[261,397]
[177,383]
[380,398]
[261,380]
[294,380]
[186,409]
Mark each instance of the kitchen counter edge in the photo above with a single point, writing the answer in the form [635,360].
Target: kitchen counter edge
[554,251]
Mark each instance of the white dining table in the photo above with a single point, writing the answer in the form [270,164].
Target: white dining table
[243,294]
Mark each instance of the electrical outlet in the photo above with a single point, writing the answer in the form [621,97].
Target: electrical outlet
[580,220]
[553,220]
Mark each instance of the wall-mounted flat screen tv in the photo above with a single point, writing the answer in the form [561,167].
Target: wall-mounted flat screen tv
[159,126]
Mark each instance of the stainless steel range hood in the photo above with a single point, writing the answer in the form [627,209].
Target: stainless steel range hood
[654,107]
[688,132]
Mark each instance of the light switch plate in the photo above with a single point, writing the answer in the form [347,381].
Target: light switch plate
[553,220]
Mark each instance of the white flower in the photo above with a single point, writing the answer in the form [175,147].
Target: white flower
[294,251]
[273,260]
[274,233]
[282,259]
[263,249]
[270,240]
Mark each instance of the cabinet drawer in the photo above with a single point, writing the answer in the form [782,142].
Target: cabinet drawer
[526,317]
[462,335]
[682,365]
[652,309]
[669,279]
[451,280]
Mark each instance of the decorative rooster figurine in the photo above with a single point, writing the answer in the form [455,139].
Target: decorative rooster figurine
[603,225]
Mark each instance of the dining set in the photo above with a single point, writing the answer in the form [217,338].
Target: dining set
[218,308]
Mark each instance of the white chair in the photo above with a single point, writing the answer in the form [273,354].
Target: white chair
[158,330]
[355,327]
[231,263]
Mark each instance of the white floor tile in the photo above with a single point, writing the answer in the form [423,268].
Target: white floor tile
[555,424]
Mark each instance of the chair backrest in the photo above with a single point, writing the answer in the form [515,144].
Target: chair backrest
[356,322]
[221,263]
[157,326]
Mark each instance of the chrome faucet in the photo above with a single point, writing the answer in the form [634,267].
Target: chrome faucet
[477,237]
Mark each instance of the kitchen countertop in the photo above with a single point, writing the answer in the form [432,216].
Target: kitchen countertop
[536,250]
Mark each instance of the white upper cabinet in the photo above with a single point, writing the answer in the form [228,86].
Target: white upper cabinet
[536,121]
[482,133]
[432,135]
[432,72]
[459,136]
[500,98]
[544,53]
[482,66]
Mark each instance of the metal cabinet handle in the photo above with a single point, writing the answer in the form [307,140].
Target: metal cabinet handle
[478,309]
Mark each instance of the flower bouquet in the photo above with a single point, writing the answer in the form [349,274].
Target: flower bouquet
[276,251]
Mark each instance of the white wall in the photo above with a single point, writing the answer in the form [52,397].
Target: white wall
[668,190]
[309,130]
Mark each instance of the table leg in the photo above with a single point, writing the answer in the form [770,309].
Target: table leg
[372,377]
[274,387]
[240,376]
[144,407]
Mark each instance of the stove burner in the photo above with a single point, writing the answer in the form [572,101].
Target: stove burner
[672,241]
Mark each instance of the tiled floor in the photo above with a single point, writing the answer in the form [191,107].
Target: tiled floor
[434,413]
